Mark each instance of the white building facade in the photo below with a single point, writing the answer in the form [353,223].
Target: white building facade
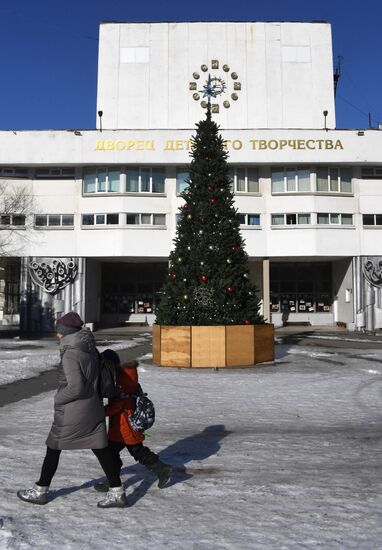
[105,201]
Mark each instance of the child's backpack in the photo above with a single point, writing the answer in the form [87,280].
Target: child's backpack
[108,385]
[144,415]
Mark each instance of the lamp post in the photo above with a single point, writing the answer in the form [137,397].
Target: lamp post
[100,113]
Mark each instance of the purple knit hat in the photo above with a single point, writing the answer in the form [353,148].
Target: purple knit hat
[69,323]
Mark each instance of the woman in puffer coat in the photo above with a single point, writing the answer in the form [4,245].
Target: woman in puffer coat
[120,433]
[79,418]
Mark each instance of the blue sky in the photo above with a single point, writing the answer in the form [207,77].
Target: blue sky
[49,50]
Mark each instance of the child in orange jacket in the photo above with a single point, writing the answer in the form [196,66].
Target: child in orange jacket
[120,432]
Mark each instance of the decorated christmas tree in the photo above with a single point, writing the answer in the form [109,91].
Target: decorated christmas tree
[208,280]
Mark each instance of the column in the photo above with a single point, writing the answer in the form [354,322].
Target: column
[266,291]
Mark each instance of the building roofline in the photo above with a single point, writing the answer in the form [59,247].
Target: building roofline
[313,22]
[73,130]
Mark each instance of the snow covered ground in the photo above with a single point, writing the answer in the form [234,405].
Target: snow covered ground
[20,359]
[275,457]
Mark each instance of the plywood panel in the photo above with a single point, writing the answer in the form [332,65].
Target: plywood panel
[175,346]
[208,346]
[264,343]
[240,345]
[156,344]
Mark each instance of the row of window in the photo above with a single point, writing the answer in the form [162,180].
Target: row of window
[131,219]
[70,172]
[244,180]
[67,220]
[140,179]
[38,173]
[321,218]
[12,220]
[325,179]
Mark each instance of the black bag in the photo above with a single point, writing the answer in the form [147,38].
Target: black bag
[144,415]
[108,385]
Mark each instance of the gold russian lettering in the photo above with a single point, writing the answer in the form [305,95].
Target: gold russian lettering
[149,145]
[187,144]
[169,145]
[301,144]
[179,145]
[338,145]
[120,145]
[328,144]
[262,144]
[273,144]
[226,143]
[283,143]
[100,145]
[292,143]
[320,143]
[109,145]
[139,145]
[237,144]
[130,144]
[308,142]
[254,142]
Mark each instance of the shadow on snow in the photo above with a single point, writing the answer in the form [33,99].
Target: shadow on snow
[196,447]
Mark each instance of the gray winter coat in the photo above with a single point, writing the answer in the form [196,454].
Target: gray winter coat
[79,418]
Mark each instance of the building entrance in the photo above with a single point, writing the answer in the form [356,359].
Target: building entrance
[300,287]
[129,289]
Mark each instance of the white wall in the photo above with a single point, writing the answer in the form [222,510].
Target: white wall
[169,147]
[285,71]
[342,275]
[166,147]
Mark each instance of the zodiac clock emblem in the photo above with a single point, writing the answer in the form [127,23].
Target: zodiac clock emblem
[220,88]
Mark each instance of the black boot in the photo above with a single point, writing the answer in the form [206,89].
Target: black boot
[163,471]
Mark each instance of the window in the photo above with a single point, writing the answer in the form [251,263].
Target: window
[100,219]
[131,288]
[325,218]
[54,220]
[12,220]
[300,287]
[13,172]
[146,219]
[181,184]
[249,219]
[135,55]
[245,179]
[144,180]
[101,180]
[372,219]
[371,172]
[332,179]
[55,173]
[290,219]
[290,180]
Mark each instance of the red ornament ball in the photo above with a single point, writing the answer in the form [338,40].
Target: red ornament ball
[209,188]
[185,206]
[213,200]
[204,278]
[206,158]
[189,193]
[247,322]
[233,248]
[173,276]
[230,290]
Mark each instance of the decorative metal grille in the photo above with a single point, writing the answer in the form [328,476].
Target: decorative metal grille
[55,277]
[372,270]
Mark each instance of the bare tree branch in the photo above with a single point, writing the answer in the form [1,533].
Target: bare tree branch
[16,217]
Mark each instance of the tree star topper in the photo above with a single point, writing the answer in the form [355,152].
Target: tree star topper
[213,87]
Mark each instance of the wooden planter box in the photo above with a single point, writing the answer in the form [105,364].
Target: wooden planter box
[213,346]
